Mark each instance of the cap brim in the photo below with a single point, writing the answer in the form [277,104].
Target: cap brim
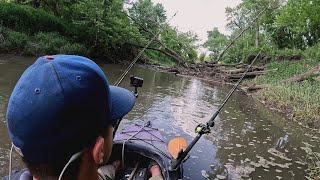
[122,102]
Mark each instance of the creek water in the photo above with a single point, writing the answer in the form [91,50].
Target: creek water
[248,141]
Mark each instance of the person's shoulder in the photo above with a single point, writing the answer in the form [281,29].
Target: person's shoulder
[23,174]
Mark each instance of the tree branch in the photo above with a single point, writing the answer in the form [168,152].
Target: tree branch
[240,34]
[166,51]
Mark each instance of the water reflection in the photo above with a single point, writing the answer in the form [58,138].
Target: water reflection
[247,141]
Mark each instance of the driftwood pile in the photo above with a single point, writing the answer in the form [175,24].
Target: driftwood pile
[222,72]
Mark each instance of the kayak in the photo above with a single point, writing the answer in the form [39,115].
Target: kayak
[141,146]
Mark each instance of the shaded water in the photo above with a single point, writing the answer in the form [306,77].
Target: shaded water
[248,141]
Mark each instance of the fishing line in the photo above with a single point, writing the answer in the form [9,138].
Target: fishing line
[10,161]
[117,83]
[234,88]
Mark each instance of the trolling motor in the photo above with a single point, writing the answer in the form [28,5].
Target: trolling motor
[136,82]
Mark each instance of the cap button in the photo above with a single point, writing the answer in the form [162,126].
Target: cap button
[49,57]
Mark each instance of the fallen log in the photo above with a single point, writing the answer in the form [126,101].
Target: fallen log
[315,71]
[248,75]
[242,70]
[174,70]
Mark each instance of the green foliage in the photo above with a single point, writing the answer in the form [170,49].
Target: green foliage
[29,20]
[182,43]
[300,99]
[313,52]
[149,15]
[13,41]
[158,58]
[50,43]
[71,26]
[54,43]
[216,42]
[40,44]
[301,20]
[202,57]
[285,70]
[150,19]
[286,52]
[60,8]
[105,24]
[74,48]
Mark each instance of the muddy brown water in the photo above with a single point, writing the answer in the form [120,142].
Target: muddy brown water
[248,140]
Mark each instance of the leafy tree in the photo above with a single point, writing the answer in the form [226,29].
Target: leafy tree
[105,27]
[216,42]
[149,16]
[105,24]
[150,19]
[299,22]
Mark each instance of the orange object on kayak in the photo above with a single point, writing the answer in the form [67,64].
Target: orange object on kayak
[175,145]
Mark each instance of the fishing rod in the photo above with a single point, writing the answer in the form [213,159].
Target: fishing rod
[135,81]
[205,128]
[117,83]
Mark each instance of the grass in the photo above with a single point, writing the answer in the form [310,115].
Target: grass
[285,70]
[299,100]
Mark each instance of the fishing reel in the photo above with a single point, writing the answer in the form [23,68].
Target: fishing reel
[202,129]
[136,82]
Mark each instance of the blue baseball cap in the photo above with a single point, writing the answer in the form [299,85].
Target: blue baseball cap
[60,105]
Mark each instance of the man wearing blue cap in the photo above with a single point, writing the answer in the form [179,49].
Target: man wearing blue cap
[60,116]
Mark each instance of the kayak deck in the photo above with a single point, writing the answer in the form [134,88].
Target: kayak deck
[142,144]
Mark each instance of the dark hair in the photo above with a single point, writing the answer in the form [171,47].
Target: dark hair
[53,169]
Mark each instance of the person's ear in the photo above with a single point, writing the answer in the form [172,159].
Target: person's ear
[97,151]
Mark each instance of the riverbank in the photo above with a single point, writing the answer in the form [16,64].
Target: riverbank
[289,87]
[293,89]
[20,43]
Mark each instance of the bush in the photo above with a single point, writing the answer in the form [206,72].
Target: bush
[54,43]
[77,49]
[29,20]
[50,43]
[286,52]
[12,41]
[313,52]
